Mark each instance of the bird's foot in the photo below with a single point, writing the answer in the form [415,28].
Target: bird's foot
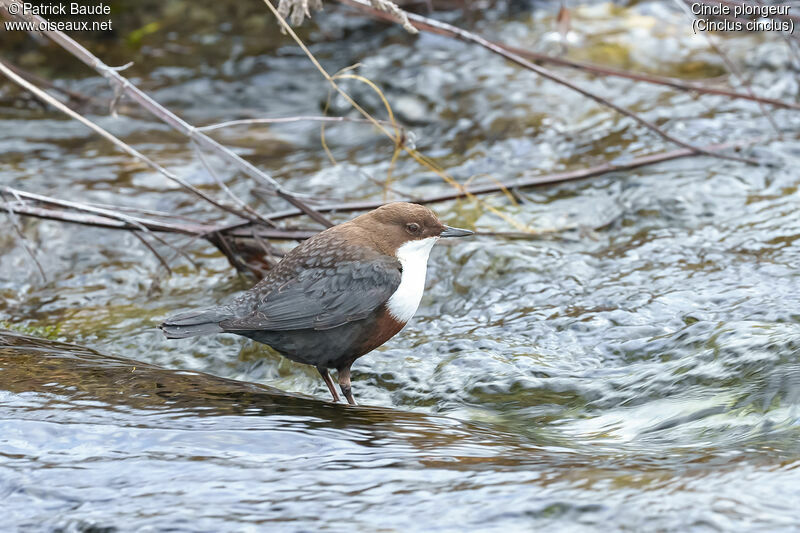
[344,384]
[348,393]
[329,382]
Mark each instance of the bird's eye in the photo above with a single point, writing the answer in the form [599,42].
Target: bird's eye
[412,228]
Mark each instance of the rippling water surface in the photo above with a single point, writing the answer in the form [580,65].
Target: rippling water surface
[636,368]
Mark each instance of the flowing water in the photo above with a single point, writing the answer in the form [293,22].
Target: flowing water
[637,368]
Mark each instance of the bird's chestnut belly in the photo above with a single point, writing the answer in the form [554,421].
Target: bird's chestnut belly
[332,348]
[385,327]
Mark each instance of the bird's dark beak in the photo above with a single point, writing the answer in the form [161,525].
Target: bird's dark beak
[455,232]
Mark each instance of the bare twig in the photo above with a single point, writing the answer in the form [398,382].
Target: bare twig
[87,215]
[599,70]
[267,248]
[284,120]
[732,68]
[421,159]
[111,213]
[157,110]
[426,24]
[116,141]
[68,214]
[12,217]
[133,221]
[646,78]
[243,205]
[220,235]
[533,181]
[241,257]
[154,251]
[297,10]
[33,78]
[222,244]
[143,211]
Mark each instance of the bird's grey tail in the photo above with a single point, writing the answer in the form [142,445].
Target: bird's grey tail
[194,323]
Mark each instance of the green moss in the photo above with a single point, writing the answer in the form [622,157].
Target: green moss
[52,331]
[136,36]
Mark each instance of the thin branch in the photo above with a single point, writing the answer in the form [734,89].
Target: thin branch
[13,219]
[268,249]
[732,68]
[218,235]
[533,181]
[599,70]
[284,120]
[217,239]
[143,211]
[157,110]
[419,158]
[226,189]
[154,251]
[99,221]
[116,141]
[636,76]
[110,213]
[89,217]
[33,78]
[424,23]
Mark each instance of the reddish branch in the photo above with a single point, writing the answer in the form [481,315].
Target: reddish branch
[647,78]
[448,30]
[52,209]
[231,239]
[532,181]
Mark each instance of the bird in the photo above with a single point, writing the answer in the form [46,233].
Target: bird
[336,296]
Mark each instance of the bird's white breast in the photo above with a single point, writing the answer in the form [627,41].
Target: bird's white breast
[413,255]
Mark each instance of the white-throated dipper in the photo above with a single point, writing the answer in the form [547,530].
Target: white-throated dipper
[336,296]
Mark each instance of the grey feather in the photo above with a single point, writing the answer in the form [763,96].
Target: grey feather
[197,322]
[320,298]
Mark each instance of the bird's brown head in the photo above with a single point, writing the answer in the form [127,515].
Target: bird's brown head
[398,223]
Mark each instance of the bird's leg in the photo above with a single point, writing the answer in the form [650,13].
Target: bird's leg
[328,381]
[344,384]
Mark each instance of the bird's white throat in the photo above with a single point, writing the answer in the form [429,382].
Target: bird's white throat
[413,255]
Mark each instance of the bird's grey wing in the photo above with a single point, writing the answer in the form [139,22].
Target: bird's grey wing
[321,298]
